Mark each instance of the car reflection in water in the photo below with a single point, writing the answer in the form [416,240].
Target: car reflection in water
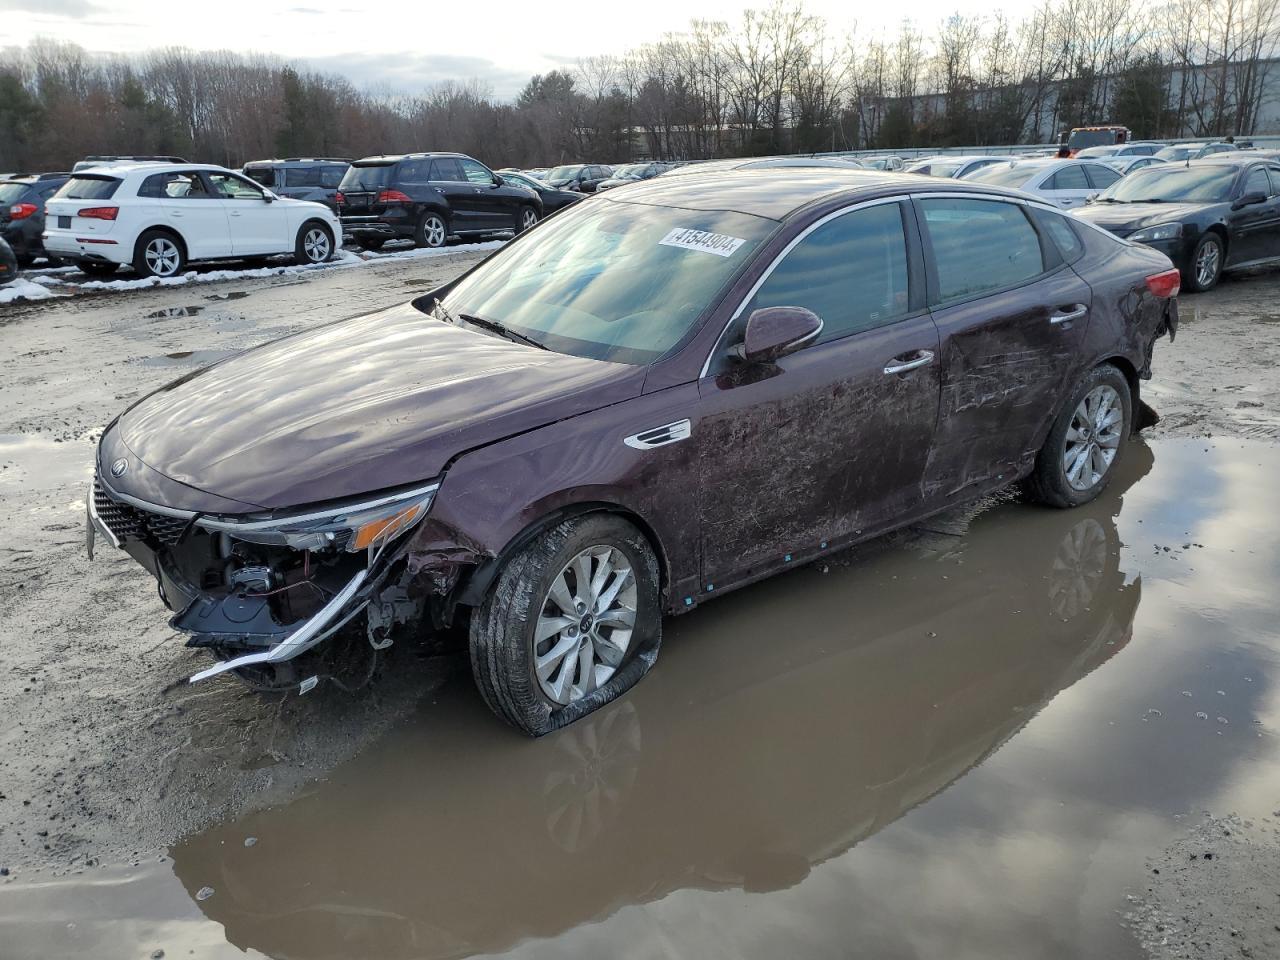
[784,725]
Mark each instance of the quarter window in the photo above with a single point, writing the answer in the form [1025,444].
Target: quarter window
[302,177]
[1062,233]
[980,246]
[851,272]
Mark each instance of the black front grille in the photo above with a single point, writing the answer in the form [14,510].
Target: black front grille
[128,522]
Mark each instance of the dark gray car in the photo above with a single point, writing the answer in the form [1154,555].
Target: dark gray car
[301,178]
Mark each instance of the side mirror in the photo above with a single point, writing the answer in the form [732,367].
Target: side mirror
[774,332]
[268,196]
[498,181]
[1090,198]
[1249,199]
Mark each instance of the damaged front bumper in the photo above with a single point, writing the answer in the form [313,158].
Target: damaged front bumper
[262,590]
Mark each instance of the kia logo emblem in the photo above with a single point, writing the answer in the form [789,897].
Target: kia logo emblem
[119,467]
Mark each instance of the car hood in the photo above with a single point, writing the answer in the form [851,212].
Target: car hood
[1124,218]
[357,406]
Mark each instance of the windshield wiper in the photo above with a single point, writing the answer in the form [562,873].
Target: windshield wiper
[502,330]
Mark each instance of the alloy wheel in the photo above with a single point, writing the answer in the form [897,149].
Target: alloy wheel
[434,232]
[585,624]
[1207,264]
[315,244]
[1093,438]
[529,219]
[162,257]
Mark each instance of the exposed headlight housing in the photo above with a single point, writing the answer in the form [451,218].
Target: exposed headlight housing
[1165,231]
[352,527]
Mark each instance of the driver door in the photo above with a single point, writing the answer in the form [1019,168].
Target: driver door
[1256,228]
[257,225]
[829,442]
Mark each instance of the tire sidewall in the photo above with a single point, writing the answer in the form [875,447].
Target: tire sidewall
[140,259]
[420,231]
[1193,283]
[508,617]
[1051,474]
[523,212]
[300,246]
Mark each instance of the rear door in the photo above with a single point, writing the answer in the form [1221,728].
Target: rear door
[1068,186]
[1100,176]
[1011,317]
[184,201]
[831,441]
[257,225]
[464,198]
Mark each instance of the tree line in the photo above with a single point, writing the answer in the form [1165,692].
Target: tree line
[780,80]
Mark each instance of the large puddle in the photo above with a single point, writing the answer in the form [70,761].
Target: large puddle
[960,745]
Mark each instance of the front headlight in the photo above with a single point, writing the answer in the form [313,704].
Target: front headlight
[1165,231]
[353,527]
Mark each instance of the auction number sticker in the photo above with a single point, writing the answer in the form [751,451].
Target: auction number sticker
[720,244]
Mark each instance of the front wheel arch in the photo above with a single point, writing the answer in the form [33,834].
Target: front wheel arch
[471,592]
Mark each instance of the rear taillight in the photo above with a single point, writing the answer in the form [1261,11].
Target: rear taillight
[393,196]
[20,211]
[339,198]
[1165,285]
[98,213]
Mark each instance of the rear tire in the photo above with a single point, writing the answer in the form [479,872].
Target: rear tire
[314,244]
[1204,269]
[159,253]
[374,245]
[513,657]
[1086,442]
[431,231]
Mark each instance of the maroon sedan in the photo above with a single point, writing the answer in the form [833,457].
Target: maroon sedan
[648,400]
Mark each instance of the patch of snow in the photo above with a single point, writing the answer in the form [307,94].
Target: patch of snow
[23,289]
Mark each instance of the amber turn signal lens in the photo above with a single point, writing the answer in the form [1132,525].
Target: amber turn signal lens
[384,528]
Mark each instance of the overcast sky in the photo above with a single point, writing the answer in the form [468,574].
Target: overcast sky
[405,46]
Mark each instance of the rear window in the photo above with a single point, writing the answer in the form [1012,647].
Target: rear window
[373,176]
[1004,174]
[264,175]
[980,246]
[301,177]
[331,176]
[85,187]
[11,192]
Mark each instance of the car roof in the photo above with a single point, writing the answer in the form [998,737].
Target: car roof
[387,158]
[263,163]
[777,193]
[123,170]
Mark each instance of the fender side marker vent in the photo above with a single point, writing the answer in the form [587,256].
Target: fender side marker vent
[660,436]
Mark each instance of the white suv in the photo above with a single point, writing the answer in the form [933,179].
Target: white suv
[157,217]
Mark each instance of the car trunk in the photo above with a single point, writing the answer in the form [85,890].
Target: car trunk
[84,206]
[362,184]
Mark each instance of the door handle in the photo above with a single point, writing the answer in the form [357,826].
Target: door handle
[1076,312]
[908,362]
[175,213]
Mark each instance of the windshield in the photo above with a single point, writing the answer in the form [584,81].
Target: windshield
[368,177]
[564,173]
[1003,174]
[1090,138]
[1176,153]
[630,171]
[1210,183]
[611,281]
[1098,152]
[87,187]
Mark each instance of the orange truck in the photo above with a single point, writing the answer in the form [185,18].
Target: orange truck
[1105,135]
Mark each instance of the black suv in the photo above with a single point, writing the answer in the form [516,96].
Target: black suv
[22,212]
[301,178]
[582,177]
[430,197]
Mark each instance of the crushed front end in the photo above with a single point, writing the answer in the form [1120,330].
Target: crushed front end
[261,590]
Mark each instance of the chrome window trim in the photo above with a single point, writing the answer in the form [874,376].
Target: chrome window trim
[782,254]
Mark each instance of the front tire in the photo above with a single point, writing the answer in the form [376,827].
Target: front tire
[1086,441]
[572,620]
[1204,269]
[159,254]
[431,231]
[525,219]
[314,244]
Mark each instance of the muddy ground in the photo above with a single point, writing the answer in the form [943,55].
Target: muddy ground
[995,771]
